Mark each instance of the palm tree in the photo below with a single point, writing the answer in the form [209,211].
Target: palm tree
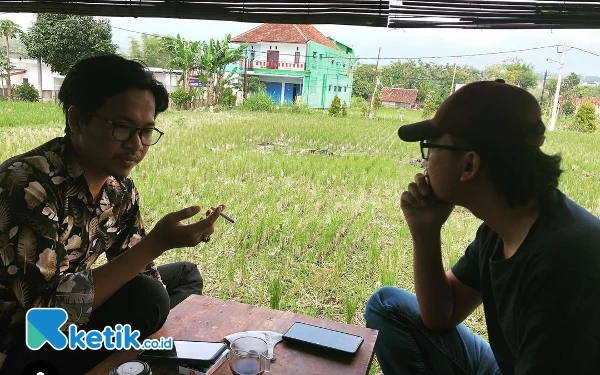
[9,30]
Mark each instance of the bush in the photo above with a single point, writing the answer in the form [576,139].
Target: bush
[26,93]
[377,101]
[258,101]
[343,111]
[181,98]
[429,108]
[585,118]
[336,106]
[228,98]
[300,108]
[364,110]
[568,109]
[358,102]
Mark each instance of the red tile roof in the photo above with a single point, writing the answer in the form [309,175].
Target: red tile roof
[594,101]
[394,95]
[284,33]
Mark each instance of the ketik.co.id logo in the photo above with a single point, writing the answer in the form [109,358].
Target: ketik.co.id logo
[43,326]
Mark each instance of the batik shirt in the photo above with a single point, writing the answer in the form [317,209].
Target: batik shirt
[52,232]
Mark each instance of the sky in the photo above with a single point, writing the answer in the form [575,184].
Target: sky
[397,43]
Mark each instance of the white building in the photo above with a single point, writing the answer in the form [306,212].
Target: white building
[27,70]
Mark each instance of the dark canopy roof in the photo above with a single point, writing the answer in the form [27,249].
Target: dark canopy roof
[394,13]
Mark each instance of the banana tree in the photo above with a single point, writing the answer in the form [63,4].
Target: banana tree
[9,30]
[216,55]
[185,56]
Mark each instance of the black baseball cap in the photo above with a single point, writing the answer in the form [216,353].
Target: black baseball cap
[486,111]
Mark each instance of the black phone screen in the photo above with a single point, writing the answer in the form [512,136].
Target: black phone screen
[193,351]
[323,337]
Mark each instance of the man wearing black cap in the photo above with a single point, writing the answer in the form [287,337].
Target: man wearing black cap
[534,262]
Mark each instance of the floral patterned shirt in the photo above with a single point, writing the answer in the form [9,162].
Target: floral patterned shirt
[52,232]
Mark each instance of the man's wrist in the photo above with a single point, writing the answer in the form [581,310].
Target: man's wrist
[426,236]
[153,245]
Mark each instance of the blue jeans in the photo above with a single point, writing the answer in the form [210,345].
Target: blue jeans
[406,346]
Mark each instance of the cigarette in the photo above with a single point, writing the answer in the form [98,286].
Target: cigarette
[224,216]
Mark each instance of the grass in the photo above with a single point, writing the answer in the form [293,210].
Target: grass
[316,202]
[14,114]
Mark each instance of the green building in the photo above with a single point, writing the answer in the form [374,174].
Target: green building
[297,63]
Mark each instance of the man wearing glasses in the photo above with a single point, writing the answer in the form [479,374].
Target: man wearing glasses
[70,200]
[534,262]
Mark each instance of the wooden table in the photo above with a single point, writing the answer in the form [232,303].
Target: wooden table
[204,318]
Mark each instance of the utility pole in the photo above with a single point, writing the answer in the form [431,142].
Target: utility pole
[453,77]
[374,85]
[543,88]
[557,93]
[39,66]
[245,75]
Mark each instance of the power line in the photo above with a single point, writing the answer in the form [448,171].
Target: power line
[464,55]
[582,50]
[404,58]
[134,31]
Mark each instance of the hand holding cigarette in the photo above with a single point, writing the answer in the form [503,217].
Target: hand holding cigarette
[224,216]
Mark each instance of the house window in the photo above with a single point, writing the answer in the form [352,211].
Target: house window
[297,57]
[332,61]
[329,87]
[344,88]
[25,80]
[314,55]
[334,88]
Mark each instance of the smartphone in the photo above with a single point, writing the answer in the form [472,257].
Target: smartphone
[196,353]
[325,338]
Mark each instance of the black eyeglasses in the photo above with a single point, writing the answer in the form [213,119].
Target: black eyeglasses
[124,131]
[428,146]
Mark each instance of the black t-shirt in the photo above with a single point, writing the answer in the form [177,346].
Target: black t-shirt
[542,305]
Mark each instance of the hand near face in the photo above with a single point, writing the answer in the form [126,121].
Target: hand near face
[422,210]
[170,232]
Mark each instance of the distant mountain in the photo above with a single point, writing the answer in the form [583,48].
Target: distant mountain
[588,79]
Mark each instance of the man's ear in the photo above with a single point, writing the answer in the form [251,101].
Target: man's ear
[471,166]
[74,120]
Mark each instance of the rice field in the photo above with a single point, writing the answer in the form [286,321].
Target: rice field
[316,200]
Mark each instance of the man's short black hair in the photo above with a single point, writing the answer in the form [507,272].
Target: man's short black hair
[519,172]
[93,80]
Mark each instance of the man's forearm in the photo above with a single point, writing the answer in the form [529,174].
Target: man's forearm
[434,291]
[111,276]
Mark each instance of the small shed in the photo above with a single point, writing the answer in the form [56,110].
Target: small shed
[398,97]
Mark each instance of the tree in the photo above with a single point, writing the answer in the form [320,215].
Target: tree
[513,71]
[336,106]
[61,40]
[430,107]
[215,57]
[9,30]
[255,85]
[432,80]
[363,79]
[571,81]
[585,118]
[150,50]
[568,108]
[185,56]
